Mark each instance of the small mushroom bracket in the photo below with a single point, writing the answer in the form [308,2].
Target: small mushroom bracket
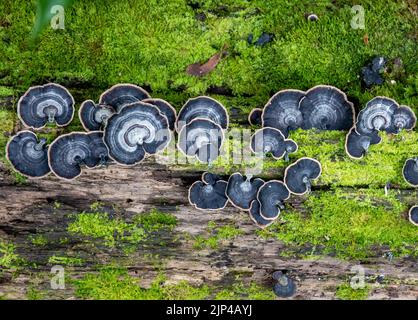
[410,171]
[121,95]
[166,109]
[271,197]
[208,196]
[242,191]
[357,145]
[256,216]
[413,215]
[93,117]
[255,117]
[298,176]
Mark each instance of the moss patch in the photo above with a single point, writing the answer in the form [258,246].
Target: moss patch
[218,235]
[9,259]
[345,292]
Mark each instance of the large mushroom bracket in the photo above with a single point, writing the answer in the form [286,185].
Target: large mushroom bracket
[46,104]
[299,175]
[28,155]
[326,108]
[202,108]
[242,191]
[94,116]
[208,196]
[121,95]
[70,152]
[271,140]
[413,215]
[202,139]
[384,114]
[166,109]
[410,171]
[137,130]
[282,111]
[271,197]
[357,145]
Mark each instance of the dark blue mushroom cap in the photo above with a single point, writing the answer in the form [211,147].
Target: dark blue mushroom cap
[28,155]
[271,140]
[201,139]
[241,192]
[204,108]
[403,119]
[46,104]
[298,176]
[210,178]
[377,115]
[413,215]
[256,217]
[326,108]
[93,117]
[166,109]
[121,95]
[69,152]
[138,129]
[271,197]
[285,287]
[410,171]
[356,145]
[254,118]
[206,196]
[282,111]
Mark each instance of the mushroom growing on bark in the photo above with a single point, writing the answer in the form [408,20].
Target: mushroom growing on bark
[256,216]
[299,175]
[376,116]
[166,109]
[208,196]
[242,191]
[254,118]
[93,117]
[50,103]
[284,287]
[357,145]
[271,197]
[28,154]
[410,171]
[121,95]
[413,215]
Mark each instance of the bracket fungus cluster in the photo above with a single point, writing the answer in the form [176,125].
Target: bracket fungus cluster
[380,114]
[200,124]
[50,103]
[321,107]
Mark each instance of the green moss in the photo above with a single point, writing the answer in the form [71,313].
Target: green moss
[9,259]
[240,291]
[218,235]
[345,292]
[66,261]
[348,224]
[39,240]
[34,294]
[156,220]
[6,91]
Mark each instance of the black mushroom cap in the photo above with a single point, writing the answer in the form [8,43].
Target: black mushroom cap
[326,108]
[256,217]
[46,104]
[403,119]
[242,191]
[377,115]
[413,215]
[138,129]
[271,197]
[254,118]
[271,140]
[410,171]
[282,111]
[205,108]
[357,145]
[93,117]
[371,74]
[298,176]
[284,287]
[121,95]
[166,109]
[208,196]
[28,155]
[202,139]
[68,153]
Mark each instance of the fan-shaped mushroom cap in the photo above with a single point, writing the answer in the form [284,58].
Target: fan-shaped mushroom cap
[254,118]
[210,178]
[410,171]
[121,95]
[413,215]
[298,176]
[138,129]
[28,155]
[205,108]
[69,152]
[267,140]
[202,139]
[208,196]
[271,196]
[94,116]
[282,111]
[285,287]
[326,108]
[356,144]
[166,109]
[256,216]
[403,119]
[241,192]
[377,115]
[48,103]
